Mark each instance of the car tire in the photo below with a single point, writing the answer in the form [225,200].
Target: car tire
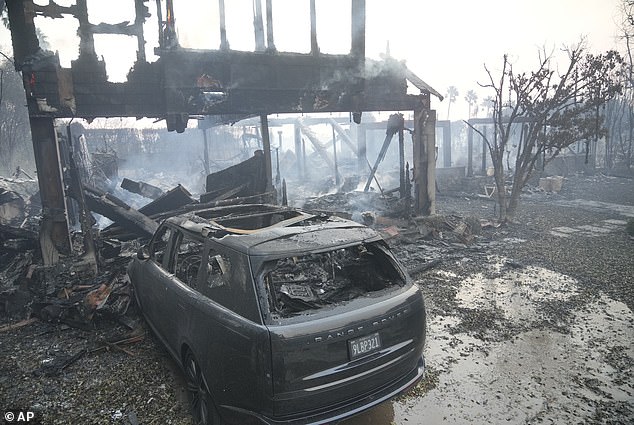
[202,406]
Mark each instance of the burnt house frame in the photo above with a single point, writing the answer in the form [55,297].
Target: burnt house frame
[183,83]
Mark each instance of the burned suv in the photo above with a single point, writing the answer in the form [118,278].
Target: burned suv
[280,316]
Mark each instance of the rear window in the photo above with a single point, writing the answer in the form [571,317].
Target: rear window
[304,284]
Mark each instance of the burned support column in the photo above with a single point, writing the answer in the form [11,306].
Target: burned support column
[54,236]
[424,161]
[314,47]
[86,39]
[23,34]
[357,38]
[334,156]
[362,147]
[446,145]
[303,158]
[266,146]
[224,44]
[270,44]
[298,149]
[258,26]
[140,13]
[470,152]
[401,161]
[206,152]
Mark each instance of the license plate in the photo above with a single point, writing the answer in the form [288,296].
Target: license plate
[364,345]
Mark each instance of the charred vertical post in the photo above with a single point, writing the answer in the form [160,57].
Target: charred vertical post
[314,47]
[141,12]
[206,152]
[470,152]
[362,146]
[401,161]
[169,34]
[357,38]
[298,148]
[23,34]
[54,236]
[270,44]
[446,145]
[303,158]
[76,188]
[86,39]
[424,160]
[266,146]
[278,176]
[159,18]
[224,44]
[334,155]
[258,26]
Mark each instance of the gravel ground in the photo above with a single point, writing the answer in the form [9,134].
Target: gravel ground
[568,297]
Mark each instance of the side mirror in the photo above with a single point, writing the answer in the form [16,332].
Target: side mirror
[143,253]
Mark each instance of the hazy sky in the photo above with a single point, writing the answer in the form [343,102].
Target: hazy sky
[445,42]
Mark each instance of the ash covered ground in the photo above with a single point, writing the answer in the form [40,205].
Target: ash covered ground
[527,323]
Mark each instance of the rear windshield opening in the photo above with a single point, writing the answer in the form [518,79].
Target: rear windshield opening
[299,284]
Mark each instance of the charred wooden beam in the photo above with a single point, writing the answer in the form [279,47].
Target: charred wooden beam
[119,212]
[270,44]
[90,253]
[394,124]
[297,133]
[224,43]
[319,148]
[314,47]
[266,146]
[357,38]
[424,161]
[249,174]
[23,33]
[141,188]
[170,200]
[54,10]
[258,26]
[54,234]
[343,134]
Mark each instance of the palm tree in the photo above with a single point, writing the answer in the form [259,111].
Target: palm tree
[487,104]
[472,99]
[452,95]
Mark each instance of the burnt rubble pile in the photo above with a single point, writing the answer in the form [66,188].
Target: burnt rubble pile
[90,282]
[66,293]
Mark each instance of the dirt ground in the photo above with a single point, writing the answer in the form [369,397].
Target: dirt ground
[530,323]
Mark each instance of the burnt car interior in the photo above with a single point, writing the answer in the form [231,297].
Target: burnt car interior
[298,285]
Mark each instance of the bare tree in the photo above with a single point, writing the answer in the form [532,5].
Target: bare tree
[452,95]
[555,111]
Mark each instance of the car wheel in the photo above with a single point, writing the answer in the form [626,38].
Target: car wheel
[202,406]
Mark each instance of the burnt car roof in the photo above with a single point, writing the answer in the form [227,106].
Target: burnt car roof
[290,229]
